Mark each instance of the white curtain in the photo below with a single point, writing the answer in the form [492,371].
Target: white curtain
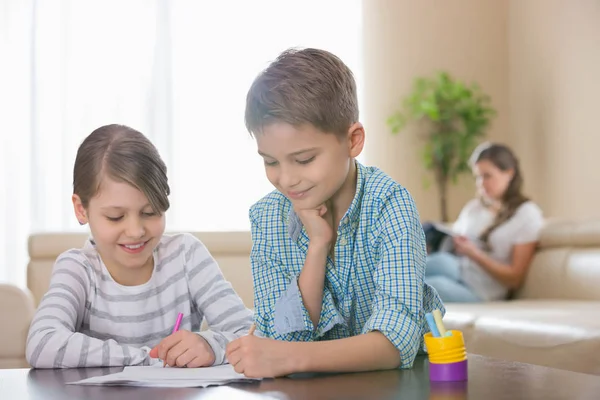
[178,71]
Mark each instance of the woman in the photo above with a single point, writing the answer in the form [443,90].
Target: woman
[497,234]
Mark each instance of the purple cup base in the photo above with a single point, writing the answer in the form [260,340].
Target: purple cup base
[448,372]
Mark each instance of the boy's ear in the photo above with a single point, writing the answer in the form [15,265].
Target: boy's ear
[79,209]
[356,139]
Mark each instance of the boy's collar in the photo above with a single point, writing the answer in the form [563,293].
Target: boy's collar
[349,220]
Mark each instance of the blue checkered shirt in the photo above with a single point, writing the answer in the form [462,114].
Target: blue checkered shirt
[375,284]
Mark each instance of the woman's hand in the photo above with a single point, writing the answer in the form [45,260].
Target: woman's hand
[465,247]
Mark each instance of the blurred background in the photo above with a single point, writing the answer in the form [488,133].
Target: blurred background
[179,70]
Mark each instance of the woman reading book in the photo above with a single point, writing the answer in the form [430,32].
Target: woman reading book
[494,237]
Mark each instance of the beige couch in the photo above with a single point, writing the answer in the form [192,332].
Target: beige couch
[555,317]
[552,322]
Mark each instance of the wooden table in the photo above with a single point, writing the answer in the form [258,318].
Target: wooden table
[489,379]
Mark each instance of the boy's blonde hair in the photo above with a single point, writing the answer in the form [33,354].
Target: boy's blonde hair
[124,155]
[307,86]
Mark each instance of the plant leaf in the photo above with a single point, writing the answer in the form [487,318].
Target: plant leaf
[458,116]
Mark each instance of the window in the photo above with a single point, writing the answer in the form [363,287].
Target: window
[177,71]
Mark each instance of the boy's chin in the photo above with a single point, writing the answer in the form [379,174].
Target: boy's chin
[307,204]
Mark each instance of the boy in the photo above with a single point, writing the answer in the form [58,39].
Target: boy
[338,256]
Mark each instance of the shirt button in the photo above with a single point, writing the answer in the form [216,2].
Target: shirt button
[343,241]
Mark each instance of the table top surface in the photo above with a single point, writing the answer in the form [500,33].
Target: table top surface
[489,378]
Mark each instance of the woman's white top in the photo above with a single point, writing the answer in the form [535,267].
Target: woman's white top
[523,227]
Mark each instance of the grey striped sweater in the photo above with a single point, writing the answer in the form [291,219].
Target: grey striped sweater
[86,319]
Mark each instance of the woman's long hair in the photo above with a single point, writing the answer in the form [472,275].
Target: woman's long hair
[504,159]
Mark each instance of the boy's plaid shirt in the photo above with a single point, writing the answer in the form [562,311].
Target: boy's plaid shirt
[375,284]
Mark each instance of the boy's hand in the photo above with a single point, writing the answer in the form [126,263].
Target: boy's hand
[184,349]
[318,223]
[257,357]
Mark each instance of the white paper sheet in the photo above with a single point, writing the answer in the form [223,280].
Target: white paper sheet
[445,229]
[156,376]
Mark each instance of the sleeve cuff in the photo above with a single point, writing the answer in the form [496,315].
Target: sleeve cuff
[291,316]
[401,330]
[330,316]
[290,313]
[217,343]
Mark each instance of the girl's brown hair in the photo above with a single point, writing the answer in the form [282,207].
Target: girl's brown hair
[504,159]
[124,155]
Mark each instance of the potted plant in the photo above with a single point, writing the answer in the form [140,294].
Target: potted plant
[453,116]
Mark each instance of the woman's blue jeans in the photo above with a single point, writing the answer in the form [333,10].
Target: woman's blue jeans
[443,274]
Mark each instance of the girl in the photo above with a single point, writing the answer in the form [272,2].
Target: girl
[112,301]
[497,234]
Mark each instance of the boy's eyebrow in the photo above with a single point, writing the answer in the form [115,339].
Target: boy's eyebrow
[119,208]
[295,153]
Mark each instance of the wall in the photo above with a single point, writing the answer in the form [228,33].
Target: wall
[538,59]
[554,102]
[406,38]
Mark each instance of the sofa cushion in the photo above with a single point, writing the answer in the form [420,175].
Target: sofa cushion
[558,334]
[571,233]
[563,273]
[16,309]
[567,262]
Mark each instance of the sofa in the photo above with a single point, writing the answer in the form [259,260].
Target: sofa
[552,320]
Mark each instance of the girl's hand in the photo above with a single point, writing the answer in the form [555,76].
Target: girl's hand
[184,349]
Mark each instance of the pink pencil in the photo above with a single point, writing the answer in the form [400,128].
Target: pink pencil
[178,323]
[175,329]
